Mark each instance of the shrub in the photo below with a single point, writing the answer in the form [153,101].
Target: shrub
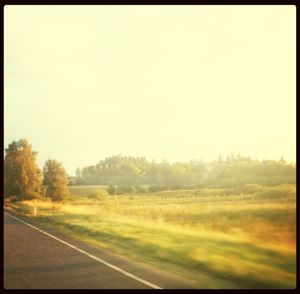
[275,193]
[125,190]
[99,195]
[111,189]
[102,195]
[251,188]
[141,189]
[28,195]
[157,189]
[177,187]
[11,198]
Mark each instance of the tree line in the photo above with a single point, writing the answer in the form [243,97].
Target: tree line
[129,174]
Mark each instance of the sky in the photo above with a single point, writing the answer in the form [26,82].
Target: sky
[82,83]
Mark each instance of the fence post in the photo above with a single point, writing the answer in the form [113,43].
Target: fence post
[34,206]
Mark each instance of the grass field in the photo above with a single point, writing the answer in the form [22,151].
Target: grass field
[222,238]
[85,190]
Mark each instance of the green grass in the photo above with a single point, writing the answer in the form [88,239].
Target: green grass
[241,240]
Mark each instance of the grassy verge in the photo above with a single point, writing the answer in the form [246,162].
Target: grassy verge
[220,240]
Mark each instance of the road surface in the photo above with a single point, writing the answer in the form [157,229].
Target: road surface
[38,258]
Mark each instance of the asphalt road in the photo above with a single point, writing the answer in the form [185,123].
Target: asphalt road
[39,258]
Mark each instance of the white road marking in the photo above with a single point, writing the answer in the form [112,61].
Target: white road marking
[90,255]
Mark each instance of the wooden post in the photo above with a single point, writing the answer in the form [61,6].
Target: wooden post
[34,206]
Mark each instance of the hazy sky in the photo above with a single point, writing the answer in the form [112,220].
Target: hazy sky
[166,82]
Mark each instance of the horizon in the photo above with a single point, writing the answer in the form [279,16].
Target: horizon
[216,158]
[165,83]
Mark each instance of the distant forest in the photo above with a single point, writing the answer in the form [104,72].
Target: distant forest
[138,174]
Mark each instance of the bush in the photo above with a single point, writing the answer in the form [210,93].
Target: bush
[11,198]
[99,195]
[125,190]
[157,189]
[177,187]
[102,195]
[111,189]
[28,195]
[275,193]
[251,188]
[141,189]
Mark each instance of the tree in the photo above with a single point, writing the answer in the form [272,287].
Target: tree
[78,172]
[111,190]
[56,180]
[22,176]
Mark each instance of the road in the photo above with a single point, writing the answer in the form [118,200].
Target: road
[39,258]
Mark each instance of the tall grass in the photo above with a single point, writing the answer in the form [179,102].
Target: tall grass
[221,240]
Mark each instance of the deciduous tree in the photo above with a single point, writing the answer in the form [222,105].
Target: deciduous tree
[22,176]
[56,180]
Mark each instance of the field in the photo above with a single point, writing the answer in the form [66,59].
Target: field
[222,238]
